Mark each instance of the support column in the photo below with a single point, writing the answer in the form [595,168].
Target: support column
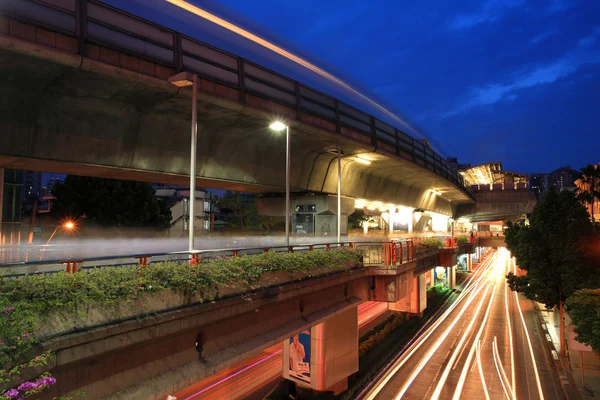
[451,276]
[469,262]
[418,297]
[322,357]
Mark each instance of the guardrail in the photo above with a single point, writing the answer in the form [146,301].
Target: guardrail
[376,253]
[91,22]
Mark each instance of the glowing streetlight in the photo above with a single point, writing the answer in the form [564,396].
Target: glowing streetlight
[67,226]
[279,126]
[363,160]
[183,79]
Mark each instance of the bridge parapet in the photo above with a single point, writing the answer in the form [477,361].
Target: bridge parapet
[96,31]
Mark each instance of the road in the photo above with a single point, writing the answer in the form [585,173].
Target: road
[486,345]
[242,380]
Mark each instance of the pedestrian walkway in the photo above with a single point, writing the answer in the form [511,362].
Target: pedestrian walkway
[591,360]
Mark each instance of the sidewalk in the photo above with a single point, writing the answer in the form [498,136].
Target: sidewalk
[571,363]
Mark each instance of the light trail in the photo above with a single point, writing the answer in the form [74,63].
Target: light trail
[535,369]
[500,368]
[510,338]
[400,363]
[479,367]
[232,375]
[437,344]
[463,375]
[284,53]
[461,343]
[267,365]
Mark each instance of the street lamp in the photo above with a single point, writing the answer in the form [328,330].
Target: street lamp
[279,126]
[68,226]
[183,79]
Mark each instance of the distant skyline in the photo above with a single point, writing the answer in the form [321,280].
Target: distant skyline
[513,81]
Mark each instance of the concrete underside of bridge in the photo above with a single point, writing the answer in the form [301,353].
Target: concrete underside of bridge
[65,113]
[498,205]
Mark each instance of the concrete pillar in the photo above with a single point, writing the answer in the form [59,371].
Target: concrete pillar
[469,262]
[418,297]
[451,276]
[322,357]
[391,213]
[365,227]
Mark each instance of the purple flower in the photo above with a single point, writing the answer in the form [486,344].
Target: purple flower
[8,309]
[25,386]
[25,334]
[47,380]
[12,393]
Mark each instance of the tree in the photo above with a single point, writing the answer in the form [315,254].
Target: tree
[110,202]
[243,213]
[554,250]
[584,308]
[588,186]
[357,219]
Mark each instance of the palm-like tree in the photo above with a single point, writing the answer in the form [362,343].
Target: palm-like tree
[588,186]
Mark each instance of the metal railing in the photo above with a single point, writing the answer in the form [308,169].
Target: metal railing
[375,253]
[91,22]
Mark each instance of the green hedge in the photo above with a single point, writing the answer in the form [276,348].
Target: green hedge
[463,239]
[25,301]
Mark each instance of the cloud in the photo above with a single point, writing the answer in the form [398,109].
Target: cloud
[542,36]
[559,5]
[586,52]
[490,12]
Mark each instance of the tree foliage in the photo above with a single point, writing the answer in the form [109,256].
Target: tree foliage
[584,309]
[242,213]
[554,250]
[588,186]
[110,202]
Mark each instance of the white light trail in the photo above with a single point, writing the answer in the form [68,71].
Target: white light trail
[510,338]
[282,52]
[415,346]
[485,389]
[535,369]
[436,345]
[461,343]
[500,369]
[463,375]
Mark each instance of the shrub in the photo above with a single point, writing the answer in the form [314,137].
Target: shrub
[432,243]
[584,308]
[463,239]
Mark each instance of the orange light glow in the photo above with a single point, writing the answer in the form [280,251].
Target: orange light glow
[69,225]
[282,52]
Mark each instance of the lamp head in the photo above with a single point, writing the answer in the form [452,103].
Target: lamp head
[278,126]
[182,79]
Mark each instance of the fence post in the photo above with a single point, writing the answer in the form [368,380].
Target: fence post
[81,20]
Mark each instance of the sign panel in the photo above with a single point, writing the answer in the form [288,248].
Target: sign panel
[300,356]
[303,224]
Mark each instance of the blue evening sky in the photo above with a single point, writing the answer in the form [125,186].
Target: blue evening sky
[514,81]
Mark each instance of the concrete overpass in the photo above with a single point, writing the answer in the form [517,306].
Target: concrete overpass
[85,92]
[115,354]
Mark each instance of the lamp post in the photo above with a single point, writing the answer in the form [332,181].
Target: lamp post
[67,226]
[181,80]
[278,126]
[339,195]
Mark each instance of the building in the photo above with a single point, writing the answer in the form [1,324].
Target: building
[176,197]
[32,185]
[561,178]
[538,183]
